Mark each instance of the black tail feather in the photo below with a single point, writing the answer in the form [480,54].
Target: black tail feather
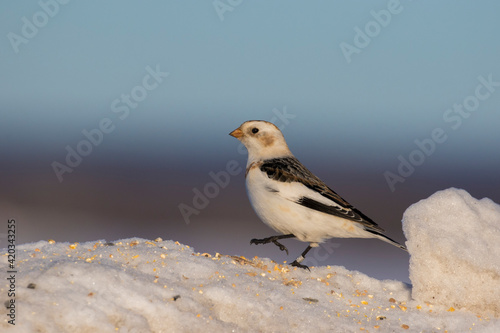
[387,239]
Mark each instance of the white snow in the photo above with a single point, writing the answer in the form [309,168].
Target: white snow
[454,242]
[138,285]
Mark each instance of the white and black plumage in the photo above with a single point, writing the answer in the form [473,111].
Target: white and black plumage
[291,199]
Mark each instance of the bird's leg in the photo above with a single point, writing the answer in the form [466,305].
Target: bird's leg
[297,262]
[273,239]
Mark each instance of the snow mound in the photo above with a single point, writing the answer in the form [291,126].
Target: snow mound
[137,285]
[454,242]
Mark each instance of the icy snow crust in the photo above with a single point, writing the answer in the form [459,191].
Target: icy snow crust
[454,242]
[138,285]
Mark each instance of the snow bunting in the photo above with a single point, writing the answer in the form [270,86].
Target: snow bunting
[292,200]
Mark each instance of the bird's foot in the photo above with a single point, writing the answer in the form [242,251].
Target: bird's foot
[295,263]
[281,246]
[273,239]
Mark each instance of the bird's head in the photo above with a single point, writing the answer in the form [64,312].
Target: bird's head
[262,139]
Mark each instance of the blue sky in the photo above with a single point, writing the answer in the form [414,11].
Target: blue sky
[263,55]
[352,118]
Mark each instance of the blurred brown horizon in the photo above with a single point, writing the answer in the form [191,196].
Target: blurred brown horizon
[116,203]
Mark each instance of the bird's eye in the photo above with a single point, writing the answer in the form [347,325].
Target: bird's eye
[255,130]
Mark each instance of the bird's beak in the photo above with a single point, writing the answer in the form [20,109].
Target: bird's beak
[237,133]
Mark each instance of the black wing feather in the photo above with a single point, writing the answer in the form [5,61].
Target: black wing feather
[289,169]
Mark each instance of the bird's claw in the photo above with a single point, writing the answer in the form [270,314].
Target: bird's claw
[281,246]
[269,240]
[295,263]
[256,241]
